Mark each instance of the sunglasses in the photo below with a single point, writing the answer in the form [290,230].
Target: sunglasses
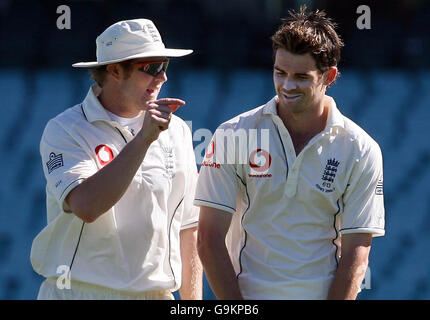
[152,68]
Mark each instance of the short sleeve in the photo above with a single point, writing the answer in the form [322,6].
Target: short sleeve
[217,185]
[65,163]
[363,200]
[190,217]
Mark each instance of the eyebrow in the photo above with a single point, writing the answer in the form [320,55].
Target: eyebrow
[297,73]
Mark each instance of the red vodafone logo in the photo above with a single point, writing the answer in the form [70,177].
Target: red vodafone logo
[104,154]
[210,150]
[260,154]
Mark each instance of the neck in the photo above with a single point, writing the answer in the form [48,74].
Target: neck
[111,101]
[307,123]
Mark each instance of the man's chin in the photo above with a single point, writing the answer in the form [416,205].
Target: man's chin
[149,97]
[293,105]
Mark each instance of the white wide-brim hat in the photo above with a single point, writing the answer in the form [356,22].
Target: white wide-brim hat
[130,39]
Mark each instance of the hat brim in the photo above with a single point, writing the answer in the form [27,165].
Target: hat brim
[157,53]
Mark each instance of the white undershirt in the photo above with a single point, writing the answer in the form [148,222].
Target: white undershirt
[131,124]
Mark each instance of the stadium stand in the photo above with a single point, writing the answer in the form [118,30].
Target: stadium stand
[391,105]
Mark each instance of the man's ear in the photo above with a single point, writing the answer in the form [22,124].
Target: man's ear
[114,70]
[330,76]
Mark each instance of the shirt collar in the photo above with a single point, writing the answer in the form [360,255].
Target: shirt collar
[93,109]
[334,118]
[270,107]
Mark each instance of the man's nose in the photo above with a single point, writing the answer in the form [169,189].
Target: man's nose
[161,76]
[289,84]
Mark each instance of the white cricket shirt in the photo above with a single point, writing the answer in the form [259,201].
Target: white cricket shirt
[288,210]
[134,246]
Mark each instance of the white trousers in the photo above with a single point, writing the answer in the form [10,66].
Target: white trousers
[84,291]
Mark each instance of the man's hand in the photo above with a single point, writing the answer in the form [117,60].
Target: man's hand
[157,117]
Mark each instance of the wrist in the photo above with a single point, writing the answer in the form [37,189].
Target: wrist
[143,140]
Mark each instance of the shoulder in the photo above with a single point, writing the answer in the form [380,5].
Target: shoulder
[363,143]
[245,120]
[64,121]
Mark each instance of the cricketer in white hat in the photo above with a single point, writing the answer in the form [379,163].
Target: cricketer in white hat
[121,175]
[130,39]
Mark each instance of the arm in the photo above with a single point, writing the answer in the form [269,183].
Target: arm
[213,227]
[98,193]
[352,266]
[192,270]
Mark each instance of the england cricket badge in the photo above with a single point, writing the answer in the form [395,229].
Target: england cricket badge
[169,161]
[104,154]
[328,176]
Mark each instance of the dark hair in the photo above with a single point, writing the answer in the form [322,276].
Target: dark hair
[98,74]
[309,32]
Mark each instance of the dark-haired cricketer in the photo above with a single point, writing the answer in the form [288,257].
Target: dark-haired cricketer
[296,220]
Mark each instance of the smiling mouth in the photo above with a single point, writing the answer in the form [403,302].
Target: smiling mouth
[291,97]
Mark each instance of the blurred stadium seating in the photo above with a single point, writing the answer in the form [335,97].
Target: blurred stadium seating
[393,106]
